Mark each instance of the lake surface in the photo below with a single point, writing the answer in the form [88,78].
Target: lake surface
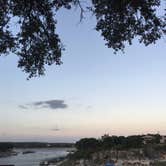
[33,159]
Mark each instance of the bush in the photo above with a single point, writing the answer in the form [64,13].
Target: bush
[88,144]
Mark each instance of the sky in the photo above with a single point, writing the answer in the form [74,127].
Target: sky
[92,93]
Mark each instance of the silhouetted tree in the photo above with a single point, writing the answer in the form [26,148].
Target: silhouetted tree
[36,42]
[88,144]
[121,142]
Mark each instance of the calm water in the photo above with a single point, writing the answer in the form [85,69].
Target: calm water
[33,159]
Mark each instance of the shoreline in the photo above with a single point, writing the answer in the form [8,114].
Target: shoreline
[8,154]
[57,161]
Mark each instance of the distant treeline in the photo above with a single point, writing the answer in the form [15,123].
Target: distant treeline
[10,145]
[4,147]
[117,142]
[110,142]
[87,146]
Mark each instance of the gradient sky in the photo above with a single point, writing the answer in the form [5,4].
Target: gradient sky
[94,92]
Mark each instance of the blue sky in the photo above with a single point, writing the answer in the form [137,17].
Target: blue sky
[120,94]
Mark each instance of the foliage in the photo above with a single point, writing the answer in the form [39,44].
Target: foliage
[121,142]
[156,139]
[88,144]
[122,20]
[5,147]
[85,148]
[134,142]
[36,43]
[110,142]
[85,154]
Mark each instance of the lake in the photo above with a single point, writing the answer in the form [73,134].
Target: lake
[33,159]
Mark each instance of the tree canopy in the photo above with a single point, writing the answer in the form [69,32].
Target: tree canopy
[37,44]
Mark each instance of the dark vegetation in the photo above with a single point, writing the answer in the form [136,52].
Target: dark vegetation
[87,146]
[5,147]
[34,145]
[35,40]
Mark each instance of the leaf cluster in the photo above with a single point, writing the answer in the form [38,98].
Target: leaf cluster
[28,27]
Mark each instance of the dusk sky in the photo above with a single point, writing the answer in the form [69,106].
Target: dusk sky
[92,93]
